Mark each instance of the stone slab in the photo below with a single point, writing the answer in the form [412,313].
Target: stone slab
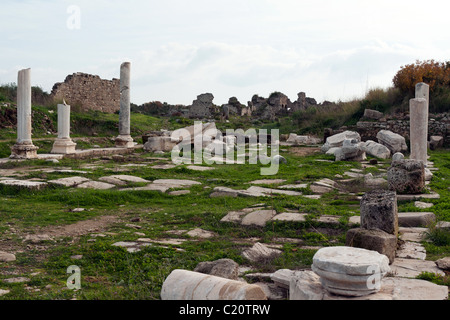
[69,182]
[24,184]
[411,268]
[96,185]
[411,250]
[258,218]
[291,217]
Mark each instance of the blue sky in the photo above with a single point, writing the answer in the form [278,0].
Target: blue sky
[332,50]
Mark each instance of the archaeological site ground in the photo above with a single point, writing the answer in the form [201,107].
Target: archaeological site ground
[93,207]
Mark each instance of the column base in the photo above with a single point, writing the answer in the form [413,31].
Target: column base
[124,142]
[24,151]
[64,146]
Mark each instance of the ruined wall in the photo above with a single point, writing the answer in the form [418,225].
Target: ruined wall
[438,125]
[89,92]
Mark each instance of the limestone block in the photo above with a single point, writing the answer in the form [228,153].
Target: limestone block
[260,252]
[376,240]
[416,219]
[376,149]
[225,268]
[379,210]
[436,142]
[337,140]
[373,114]
[395,142]
[406,176]
[306,285]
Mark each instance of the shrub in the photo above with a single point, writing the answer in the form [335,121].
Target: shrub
[431,72]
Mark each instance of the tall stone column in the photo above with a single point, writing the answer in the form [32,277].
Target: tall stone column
[124,140]
[423,91]
[24,148]
[418,115]
[64,144]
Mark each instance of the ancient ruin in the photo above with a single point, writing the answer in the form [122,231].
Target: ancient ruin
[88,92]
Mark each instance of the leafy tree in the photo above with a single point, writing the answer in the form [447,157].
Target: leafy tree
[435,74]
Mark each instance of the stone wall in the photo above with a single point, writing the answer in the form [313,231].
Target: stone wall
[438,125]
[88,92]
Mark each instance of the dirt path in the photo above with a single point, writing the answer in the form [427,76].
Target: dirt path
[81,228]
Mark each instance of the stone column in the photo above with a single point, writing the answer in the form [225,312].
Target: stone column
[423,91]
[418,115]
[24,148]
[124,140]
[64,144]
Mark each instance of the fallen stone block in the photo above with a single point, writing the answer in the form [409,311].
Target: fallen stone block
[376,149]
[258,218]
[69,182]
[306,285]
[436,142]
[260,252]
[337,140]
[187,285]
[416,219]
[393,141]
[224,268]
[376,240]
[24,184]
[406,177]
[378,210]
[7,257]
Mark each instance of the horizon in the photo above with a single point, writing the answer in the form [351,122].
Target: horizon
[178,50]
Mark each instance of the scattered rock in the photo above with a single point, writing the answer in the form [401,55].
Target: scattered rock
[337,140]
[37,238]
[394,142]
[7,257]
[16,280]
[376,149]
[258,218]
[375,240]
[96,185]
[260,252]
[24,184]
[225,268]
[406,176]
[200,233]
[444,263]
[436,142]
[69,182]
[423,205]
[4,292]
[378,210]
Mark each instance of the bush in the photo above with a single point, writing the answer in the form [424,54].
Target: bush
[433,73]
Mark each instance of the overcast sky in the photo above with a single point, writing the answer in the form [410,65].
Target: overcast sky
[332,50]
